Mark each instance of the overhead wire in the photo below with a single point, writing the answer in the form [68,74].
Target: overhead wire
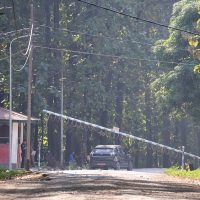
[18,70]
[30,39]
[4,7]
[137,18]
[11,32]
[28,50]
[108,55]
[118,12]
[4,58]
[107,37]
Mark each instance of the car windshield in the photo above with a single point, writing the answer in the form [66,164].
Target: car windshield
[103,151]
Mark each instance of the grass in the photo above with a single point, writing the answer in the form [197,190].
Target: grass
[8,174]
[175,171]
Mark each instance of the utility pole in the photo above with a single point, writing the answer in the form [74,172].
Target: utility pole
[61,120]
[10,100]
[28,153]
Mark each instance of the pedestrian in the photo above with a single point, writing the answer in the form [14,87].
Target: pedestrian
[88,159]
[23,153]
[71,157]
[33,152]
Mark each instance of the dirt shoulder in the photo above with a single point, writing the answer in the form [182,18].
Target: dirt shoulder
[99,185]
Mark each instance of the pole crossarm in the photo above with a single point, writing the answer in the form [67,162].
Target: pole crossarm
[120,133]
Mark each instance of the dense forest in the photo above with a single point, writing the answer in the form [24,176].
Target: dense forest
[117,72]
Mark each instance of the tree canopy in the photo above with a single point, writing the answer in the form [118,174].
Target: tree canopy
[117,71]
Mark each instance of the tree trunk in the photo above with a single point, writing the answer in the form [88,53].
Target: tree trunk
[69,150]
[47,23]
[136,156]
[57,76]
[183,131]
[69,103]
[148,116]
[166,139]
[104,113]
[198,140]
[50,126]
[42,133]
[119,108]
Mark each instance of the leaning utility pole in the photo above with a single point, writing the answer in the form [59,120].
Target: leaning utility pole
[28,153]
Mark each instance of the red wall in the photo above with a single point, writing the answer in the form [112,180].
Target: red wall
[4,154]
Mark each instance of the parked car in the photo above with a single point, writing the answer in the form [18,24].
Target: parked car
[110,156]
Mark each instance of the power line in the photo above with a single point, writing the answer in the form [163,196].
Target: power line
[108,55]
[138,18]
[30,39]
[4,8]
[4,58]
[107,37]
[18,70]
[10,32]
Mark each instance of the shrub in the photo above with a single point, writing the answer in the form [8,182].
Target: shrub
[176,171]
[7,174]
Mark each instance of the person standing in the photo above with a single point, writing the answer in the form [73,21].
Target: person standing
[71,157]
[23,153]
[33,152]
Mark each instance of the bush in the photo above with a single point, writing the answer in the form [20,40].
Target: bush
[72,165]
[2,170]
[176,171]
[8,174]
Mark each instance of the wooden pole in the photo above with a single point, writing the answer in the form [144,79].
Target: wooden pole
[61,120]
[28,153]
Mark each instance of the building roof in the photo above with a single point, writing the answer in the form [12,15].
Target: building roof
[4,116]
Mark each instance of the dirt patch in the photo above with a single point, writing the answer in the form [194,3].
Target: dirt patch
[35,176]
[98,184]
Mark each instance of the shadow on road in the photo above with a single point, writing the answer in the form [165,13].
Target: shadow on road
[93,184]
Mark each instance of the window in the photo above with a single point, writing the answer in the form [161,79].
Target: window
[4,134]
[101,151]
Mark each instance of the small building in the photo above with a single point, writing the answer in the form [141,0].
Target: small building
[18,123]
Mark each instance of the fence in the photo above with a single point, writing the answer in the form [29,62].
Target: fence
[115,131]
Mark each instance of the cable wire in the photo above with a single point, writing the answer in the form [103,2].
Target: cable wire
[107,37]
[4,58]
[137,18]
[18,70]
[108,55]
[10,32]
[30,39]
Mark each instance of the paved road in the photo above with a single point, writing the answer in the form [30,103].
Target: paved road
[138,184]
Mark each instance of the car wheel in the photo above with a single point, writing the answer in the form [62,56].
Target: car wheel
[117,166]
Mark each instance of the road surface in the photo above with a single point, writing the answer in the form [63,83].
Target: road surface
[141,184]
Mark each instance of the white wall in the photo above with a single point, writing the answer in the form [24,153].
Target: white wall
[14,144]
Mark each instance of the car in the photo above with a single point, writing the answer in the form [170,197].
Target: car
[110,156]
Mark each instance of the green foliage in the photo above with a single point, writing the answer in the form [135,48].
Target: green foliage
[175,171]
[197,69]
[178,87]
[130,94]
[8,174]
[72,165]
